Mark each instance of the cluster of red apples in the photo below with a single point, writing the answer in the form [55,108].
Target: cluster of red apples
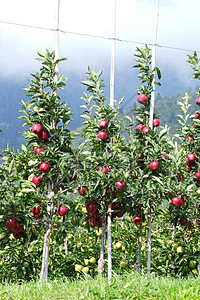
[43,167]
[142,98]
[96,219]
[102,135]
[15,227]
[190,162]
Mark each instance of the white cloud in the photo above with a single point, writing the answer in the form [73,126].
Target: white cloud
[178,26]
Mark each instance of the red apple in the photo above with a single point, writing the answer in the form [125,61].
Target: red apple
[38,150]
[164,156]
[182,202]
[176,201]
[142,98]
[197,116]
[95,214]
[109,193]
[37,128]
[18,228]
[44,167]
[37,181]
[198,101]
[190,138]
[62,211]
[197,221]
[11,223]
[145,130]
[105,170]
[82,191]
[156,122]
[44,135]
[91,207]
[191,157]
[179,177]
[71,177]
[102,135]
[36,210]
[188,169]
[154,165]
[139,126]
[17,235]
[36,216]
[103,124]
[120,184]
[183,222]
[93,222]
[197,174]
[137,220]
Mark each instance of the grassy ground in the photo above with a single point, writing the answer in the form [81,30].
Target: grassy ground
[122,287]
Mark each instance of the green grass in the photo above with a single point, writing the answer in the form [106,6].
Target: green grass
[122,287]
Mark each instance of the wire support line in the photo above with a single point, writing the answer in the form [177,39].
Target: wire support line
[99,36]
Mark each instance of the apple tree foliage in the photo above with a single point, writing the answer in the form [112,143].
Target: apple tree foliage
[148,187]
[35,207]
[102,174]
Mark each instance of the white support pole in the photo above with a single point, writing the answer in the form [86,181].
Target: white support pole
[154,63]
[151,126]
[112,66]
[112,85]
[57,28]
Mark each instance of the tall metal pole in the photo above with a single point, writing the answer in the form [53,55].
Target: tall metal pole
[154,63]
[57,28]
[112,66]
[151,126]
[112,85]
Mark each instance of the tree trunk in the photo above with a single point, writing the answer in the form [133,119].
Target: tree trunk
[45,255]
[149,242]
[137,263]
[101,261]
[109,245]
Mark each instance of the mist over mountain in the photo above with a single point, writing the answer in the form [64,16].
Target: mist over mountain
[126,84]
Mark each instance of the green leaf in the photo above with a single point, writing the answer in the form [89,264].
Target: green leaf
[10,166]
[158,72]
[88,83]
[157,179]
[24,147]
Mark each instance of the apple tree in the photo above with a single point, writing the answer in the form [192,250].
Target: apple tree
[102,173]
[149,156]
[35,181]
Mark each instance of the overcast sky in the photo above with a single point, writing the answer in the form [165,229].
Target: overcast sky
[178,26]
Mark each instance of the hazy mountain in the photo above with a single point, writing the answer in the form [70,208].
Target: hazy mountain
[126,84]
